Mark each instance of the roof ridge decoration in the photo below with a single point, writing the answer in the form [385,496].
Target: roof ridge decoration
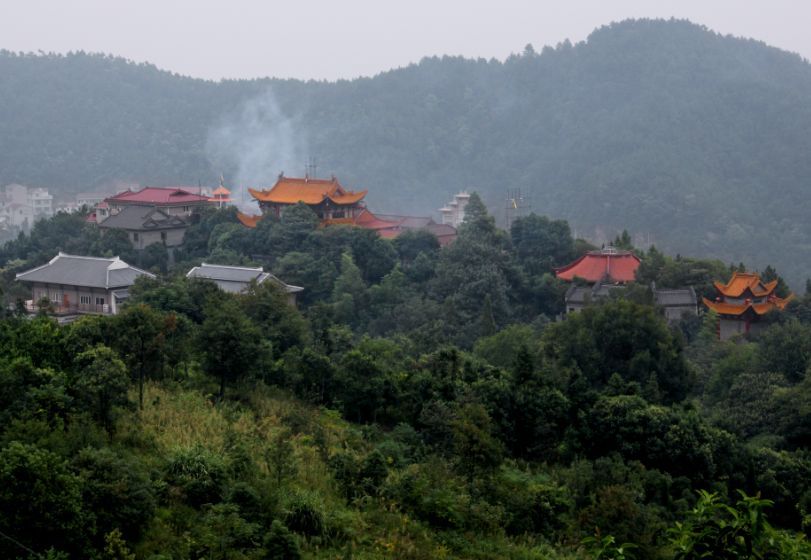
[61,254]
[256,269]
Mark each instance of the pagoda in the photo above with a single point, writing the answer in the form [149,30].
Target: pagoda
[741,302]
[221,196]
[327,198]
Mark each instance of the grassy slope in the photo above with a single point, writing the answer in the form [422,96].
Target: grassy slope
[176,418]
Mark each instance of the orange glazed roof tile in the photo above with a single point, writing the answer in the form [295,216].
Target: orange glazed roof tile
[595,266]
[723,308]
[742,281]
[221,191]
[248,220]
[290,190]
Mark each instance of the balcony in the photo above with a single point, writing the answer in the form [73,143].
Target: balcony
[76,309]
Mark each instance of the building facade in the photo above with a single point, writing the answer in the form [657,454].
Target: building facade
[75,285]
[148,225]
[453,213]
[173,201]
[676,304]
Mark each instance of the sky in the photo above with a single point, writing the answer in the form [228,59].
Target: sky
[335,39]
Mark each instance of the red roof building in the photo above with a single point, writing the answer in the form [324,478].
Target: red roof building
[606,265]
[173,201]
[741,302]
[158,196]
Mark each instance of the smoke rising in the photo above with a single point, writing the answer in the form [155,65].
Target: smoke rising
[254,144]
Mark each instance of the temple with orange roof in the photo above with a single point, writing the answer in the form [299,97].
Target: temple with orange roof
[335,205]
[328,199]
[742,302]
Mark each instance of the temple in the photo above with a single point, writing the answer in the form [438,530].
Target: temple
[335,205]
[328,199]
[741,302]
[607,265]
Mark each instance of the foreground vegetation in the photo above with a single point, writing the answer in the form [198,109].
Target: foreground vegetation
[420,403]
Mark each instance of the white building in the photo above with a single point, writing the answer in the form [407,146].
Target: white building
[453,214]
[42,202]
[38,203]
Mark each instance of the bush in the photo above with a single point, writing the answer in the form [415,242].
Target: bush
[196,475]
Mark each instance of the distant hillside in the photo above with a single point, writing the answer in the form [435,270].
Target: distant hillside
[698,141]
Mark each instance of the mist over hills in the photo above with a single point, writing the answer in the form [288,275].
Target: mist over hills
[696,141]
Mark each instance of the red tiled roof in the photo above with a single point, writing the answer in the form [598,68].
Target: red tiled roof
[596,266]
[291,190]
[158,195]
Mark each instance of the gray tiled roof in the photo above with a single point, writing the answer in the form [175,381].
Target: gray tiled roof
[91,272]
[671,298]
[586,294]
[407,222]
[236,278]
[143,218]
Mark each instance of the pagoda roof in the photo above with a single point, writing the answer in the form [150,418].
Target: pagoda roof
[291,190]
[737,309]
[158,195]
[741,282]
[221,191]
[248,220]
[600,266]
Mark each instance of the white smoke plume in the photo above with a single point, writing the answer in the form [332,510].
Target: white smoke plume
[255,143]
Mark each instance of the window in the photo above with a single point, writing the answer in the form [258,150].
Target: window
[99,301]
[84,300]
[135,237]
[163,236]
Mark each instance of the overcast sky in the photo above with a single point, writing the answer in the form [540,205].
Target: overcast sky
[330,39]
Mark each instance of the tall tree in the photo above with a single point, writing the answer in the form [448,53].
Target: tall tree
[231,345]
[139,338]
[101,380]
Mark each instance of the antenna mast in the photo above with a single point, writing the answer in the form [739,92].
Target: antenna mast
[311,168]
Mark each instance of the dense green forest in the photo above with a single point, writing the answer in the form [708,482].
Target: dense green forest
[693,140]
[420,402]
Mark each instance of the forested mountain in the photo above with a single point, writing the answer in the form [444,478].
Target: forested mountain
[696,140]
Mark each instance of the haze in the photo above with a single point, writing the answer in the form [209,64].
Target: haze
[331,40]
